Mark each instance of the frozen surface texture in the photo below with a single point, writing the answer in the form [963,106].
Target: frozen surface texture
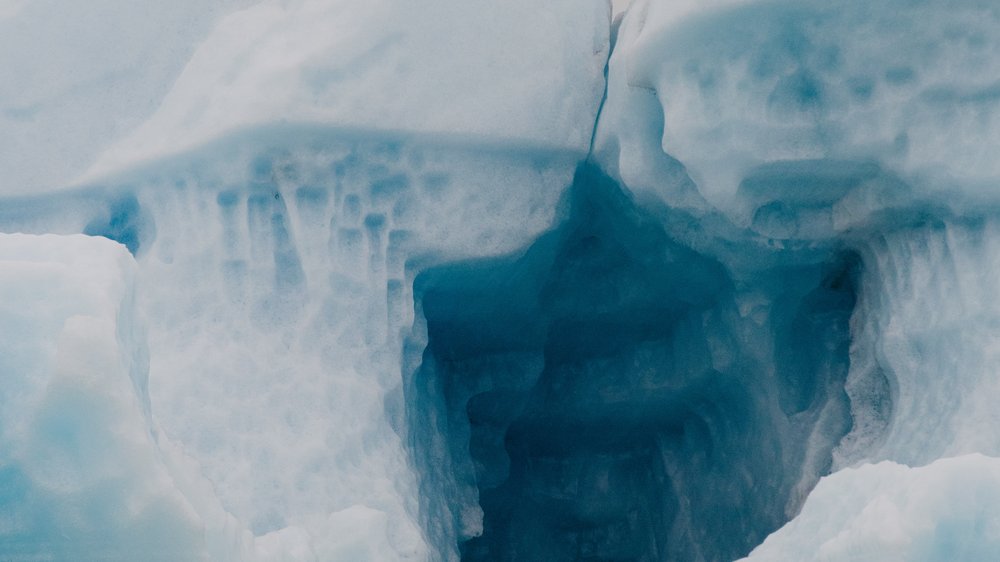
[942,511]
[78,76]
[80,471]
[277,282]
[518,72]
[300,276]
[341,147]
[868,127]
[927,344]
[620,389]
[907,84]
[419,287]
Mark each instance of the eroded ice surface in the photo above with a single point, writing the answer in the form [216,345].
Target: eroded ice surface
[300,277]
[273,261]
[617,387]
[945,510]
[910,85]
[80,471]
[517,72]
[868,126]
[398,309]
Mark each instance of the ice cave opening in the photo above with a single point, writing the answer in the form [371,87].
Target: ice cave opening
[613,393]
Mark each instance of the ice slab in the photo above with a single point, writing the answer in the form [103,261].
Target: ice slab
[80,472]
[519,72]
[887,511]
[74,77]
[725,89]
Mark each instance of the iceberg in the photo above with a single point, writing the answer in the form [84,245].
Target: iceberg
[82,475]
[320,280]
[887,511]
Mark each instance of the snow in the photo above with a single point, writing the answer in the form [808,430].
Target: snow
[274,196]
[945,510]
[727,89]
[78,76]
[444,67]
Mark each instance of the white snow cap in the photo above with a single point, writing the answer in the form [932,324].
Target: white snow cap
[728,87]
[521,72]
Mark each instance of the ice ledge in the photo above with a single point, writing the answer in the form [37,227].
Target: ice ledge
[887,511]
[85,473]
[442,67]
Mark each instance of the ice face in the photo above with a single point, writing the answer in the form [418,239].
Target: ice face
[419,291]
[809,124]
[887,511]
[76,77]
[80,469]
[276,260]
[277,283]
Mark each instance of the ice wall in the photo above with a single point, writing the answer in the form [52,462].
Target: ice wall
[278,199]
[931,323]
[624,386]
[81,473]
[870,126]
[276,281]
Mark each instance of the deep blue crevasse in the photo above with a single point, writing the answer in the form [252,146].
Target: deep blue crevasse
[612,393]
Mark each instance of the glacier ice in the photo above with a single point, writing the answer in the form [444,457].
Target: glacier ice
[945,510]
[300,277]
[907,84]
[78,76]
[324,280]
[611,392]
[861,125]
[80,471]
[442,67]
[277,393]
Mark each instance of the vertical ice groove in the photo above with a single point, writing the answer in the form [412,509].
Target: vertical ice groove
[286,382]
